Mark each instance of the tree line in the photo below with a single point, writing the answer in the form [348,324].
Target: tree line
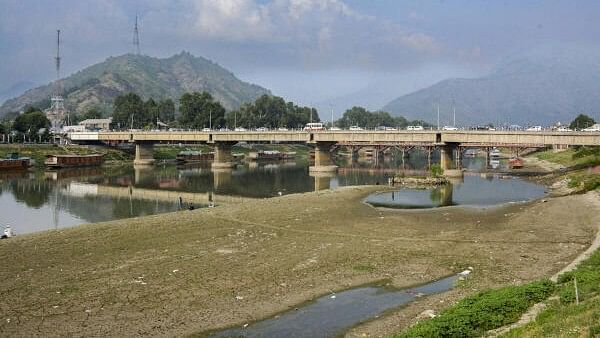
[361,117]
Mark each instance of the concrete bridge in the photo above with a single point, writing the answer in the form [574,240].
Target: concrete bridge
[448,142]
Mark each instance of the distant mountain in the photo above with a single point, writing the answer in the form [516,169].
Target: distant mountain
[15,89]
[98,85]
[541,86]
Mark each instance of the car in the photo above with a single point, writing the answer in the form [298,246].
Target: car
[449,128]
[206,129]
[282,129]
[595,127]
[390,129]
[415,128]
[534,128]
[355,128]
[335,129]
[240,129]
[262,129]
[224,129]
[563,129]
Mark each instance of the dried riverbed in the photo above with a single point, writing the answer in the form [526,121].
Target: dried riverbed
[195,271]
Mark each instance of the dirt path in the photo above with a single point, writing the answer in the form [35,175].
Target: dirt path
[192,271]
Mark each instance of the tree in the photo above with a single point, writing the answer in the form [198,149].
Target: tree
[582,121]
[31,122]
[150,115]
[166,110]
[128,111]
[271,112]
[198,108]
[90,114]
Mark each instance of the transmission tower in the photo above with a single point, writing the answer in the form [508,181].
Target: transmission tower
[136,36]
[57,58]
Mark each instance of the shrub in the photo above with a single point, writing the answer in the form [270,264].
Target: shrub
[436,170]
[487,310]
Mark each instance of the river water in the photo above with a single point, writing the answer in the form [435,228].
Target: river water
[43,200]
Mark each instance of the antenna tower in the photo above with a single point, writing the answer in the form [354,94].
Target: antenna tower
[136,36]
[57,58]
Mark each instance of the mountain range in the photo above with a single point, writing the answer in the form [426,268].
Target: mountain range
[98,85]
[540,86]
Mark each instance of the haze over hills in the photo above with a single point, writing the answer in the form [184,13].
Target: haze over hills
[541,86]
[98,85]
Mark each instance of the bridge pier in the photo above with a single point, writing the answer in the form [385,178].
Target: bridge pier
[144,153]
[221,177]
[323,161]
[322,180]
[446,153]
[223,157]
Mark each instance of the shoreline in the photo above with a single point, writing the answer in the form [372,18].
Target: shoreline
[299,247]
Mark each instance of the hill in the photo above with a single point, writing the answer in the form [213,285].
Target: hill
[541,86]
[98,85]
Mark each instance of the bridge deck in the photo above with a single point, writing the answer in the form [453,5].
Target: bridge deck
[492,138]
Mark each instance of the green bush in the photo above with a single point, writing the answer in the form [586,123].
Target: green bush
[487,310]
[436,170]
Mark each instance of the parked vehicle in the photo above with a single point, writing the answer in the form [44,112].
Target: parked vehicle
[595,127]
[415,128]
[563,129]
[206,129]
[240,129]
[314,126]
[355,128]
[282,129]
[262,129]
[534,128]
[335,129]
[449,128]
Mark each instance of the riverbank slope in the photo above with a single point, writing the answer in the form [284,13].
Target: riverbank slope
[193,271]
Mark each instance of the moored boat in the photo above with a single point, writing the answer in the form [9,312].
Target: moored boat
[194,156]
[14,162]
[515,163]
[64,161]
[270,155]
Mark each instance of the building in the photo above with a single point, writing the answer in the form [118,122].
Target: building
[96,124]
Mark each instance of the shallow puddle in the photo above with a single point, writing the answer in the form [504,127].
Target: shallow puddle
[334,314]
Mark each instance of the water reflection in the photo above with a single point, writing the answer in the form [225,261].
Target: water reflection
[34,201]
[474,190]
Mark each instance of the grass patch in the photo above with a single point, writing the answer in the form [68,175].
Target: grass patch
[490,309]
[364,268]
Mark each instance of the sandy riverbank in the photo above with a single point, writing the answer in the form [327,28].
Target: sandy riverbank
[192,271]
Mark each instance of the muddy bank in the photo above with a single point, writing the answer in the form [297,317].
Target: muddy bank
[193,271]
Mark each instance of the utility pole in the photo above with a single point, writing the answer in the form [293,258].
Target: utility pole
[331,115]
[438,116]
[453,114]
[210,119]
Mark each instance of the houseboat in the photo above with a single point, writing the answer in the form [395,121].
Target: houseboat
[64,161]
[515,163]
[194,156]
[270,155]
[14,162]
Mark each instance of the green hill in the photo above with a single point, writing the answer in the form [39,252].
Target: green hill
[98,85]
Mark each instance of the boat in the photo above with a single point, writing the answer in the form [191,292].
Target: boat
[194,156]
[471,152]
[14,162]
[515,163]
[64,161]
[270,155]
[495,153]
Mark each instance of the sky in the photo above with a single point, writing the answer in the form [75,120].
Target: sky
[328,53]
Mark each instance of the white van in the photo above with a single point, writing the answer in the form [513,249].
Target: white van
[415,128]
[314,126]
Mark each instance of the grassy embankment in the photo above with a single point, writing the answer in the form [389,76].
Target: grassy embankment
[494,308]
[578,163]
